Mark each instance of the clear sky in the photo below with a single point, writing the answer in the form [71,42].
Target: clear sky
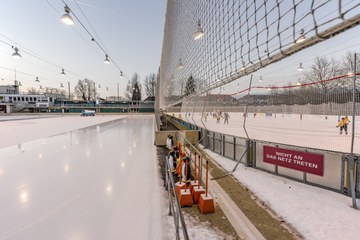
[130,31]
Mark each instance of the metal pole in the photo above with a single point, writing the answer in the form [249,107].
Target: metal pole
[195,176]
[168,184]
[351,156]
[246,108]
[206,187]
[353,107]
[69,89]
[94,92]
[118,92]
[178,215]
[199,171]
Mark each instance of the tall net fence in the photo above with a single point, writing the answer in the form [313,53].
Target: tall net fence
[230,78]
[302,114]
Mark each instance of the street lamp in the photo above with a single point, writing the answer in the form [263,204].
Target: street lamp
[66,18]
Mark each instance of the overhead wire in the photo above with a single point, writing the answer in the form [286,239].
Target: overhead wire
[37,56]
[101,46]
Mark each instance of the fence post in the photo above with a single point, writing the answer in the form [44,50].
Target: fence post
[213,145]
[168,185]
[351,157]
[223,144]
[234,144]
[342,183]
[206,139]
[254,153]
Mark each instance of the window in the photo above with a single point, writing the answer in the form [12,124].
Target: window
[22,99]
[27,99]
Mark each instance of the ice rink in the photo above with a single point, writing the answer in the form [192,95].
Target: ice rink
[98,182]
[311,131]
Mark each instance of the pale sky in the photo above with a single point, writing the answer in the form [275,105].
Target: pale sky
[130,31]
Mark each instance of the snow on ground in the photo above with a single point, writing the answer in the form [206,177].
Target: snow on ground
[314,212]
[313,131]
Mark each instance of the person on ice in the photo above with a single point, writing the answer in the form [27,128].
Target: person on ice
[226,118]
[343,125]
[347,120]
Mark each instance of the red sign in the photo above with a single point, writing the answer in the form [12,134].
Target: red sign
[302,161]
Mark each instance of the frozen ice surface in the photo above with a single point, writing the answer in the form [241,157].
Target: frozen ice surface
[311,131]
[99,182]
[87,178]
[86,184]
[19,130]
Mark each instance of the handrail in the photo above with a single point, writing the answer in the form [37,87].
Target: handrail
[201,155]
[178,213]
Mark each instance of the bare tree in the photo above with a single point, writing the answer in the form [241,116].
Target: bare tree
[133,85]
[348,63]
[136,96]
[33,90]
[54,91]
[190,86]
[150,84]
[322,69]
[348,68]
[85,90]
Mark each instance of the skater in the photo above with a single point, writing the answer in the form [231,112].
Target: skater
[343,125]
[226,118]
[347,120]
[218,116]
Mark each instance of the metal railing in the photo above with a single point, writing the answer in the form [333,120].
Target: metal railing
[335,173]
[175,209]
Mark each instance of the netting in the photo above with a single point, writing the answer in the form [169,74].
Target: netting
[239,38]
[217,69]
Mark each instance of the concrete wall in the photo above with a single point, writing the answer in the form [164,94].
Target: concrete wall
[161,136]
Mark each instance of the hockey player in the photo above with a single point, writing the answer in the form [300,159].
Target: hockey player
[343,125]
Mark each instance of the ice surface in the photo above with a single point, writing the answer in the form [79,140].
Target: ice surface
[313,131]
[99,182]
[92,179]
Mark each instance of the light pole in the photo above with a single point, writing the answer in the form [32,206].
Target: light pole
[118,97]
[94,92]
[69,89]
